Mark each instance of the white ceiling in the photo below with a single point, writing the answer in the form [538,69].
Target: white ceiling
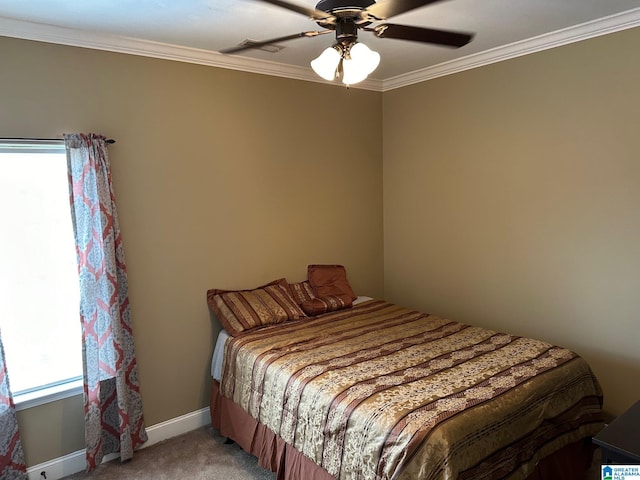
[194,30]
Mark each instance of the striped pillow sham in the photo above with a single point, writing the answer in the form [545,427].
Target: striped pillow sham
[302,291]
[328,303]
[241,310]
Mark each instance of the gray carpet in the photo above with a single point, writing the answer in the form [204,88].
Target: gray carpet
[197,455]
[201,455]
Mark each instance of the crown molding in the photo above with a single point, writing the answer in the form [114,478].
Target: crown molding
[584,31]
[133,46]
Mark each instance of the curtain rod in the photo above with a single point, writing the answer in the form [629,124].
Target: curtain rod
[108,140]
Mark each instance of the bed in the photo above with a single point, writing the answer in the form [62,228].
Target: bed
[378,391]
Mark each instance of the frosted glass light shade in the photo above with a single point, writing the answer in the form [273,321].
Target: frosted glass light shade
[367,59]
[361,63]
[327,63]
[352,72]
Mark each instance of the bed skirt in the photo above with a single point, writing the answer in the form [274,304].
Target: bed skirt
[274,454]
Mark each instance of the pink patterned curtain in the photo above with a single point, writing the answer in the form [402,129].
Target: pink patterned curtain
[12,465]
[112,402]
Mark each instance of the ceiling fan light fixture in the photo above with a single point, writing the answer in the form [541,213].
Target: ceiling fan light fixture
[326,64]
[348,59]
[359,63]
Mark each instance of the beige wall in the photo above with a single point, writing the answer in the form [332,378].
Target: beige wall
[223,179]
[512,200]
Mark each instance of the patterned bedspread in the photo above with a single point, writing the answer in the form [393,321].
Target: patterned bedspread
[378,391]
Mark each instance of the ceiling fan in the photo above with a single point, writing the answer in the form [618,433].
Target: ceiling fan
[347,58]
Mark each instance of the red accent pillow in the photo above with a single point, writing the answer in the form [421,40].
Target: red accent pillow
[328,280]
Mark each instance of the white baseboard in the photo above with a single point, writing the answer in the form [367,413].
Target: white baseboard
[75,462]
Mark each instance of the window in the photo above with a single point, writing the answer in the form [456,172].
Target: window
[39,304]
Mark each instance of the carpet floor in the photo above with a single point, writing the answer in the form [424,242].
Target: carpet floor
[201,455]
[197,455]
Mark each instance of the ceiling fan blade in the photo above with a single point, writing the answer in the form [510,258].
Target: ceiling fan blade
[313,13]
[389,8]
[420,34]
[251,45]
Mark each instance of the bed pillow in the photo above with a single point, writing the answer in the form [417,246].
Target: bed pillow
[329,303]
[301,291]
[241,310]
[329,280]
